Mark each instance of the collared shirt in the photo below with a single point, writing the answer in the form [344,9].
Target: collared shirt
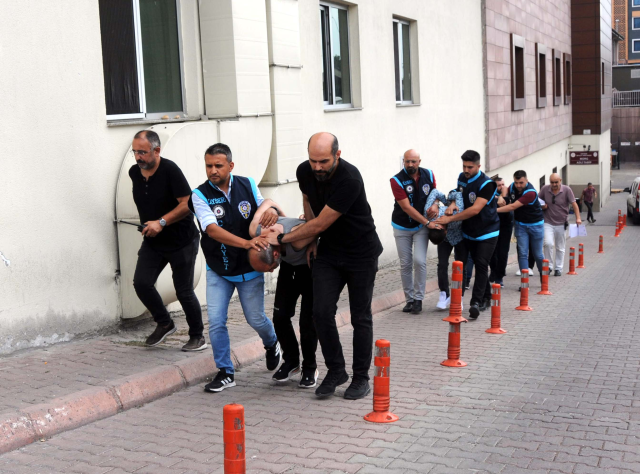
[558,204]
[454,229]
[203,210]
[588,194]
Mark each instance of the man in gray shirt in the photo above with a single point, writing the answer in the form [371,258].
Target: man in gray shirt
[294,281]
[557,198]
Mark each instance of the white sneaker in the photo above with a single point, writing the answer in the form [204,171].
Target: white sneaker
[443,302]
[461,305]
[530,272]
[518,273]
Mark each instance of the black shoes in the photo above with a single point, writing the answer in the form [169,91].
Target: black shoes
[286,371]
[309,378]
[417,307]
[223,380]
[474,311]
[273,356]
[160,334]
[330,382]
[195,344]
[358,389]
[486,304]
[557,273]
[408,307]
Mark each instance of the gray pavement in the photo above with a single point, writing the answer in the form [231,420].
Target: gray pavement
[557,394]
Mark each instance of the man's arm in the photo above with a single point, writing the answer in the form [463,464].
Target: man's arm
[510,207]
[306,206]
[411,211]
[264,211]
[178,213]
[576,211]
[310,229]
[225,237]
[466,214]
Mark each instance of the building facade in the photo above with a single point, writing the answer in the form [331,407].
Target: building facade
[81,78]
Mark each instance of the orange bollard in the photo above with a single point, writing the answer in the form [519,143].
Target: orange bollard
[572,261]
[545,278]
[233,434]
[581,256]
[495,311]
[524,292]
[624,220]
[620,216]
[617,234]
[601,247]
[455,318]
[381,398]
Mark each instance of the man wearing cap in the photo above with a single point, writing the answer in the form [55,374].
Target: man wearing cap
[557,198]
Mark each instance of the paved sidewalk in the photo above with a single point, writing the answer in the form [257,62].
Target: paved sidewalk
[558,393]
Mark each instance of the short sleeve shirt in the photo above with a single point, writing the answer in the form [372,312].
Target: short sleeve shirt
[557,209]
[157,196]
[588,194]
[353,235]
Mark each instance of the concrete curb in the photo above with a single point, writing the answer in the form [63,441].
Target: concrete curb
[37,422]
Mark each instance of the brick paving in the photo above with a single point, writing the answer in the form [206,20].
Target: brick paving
[557,394]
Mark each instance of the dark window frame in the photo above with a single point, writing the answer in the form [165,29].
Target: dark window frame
[602,80]
[518,73]
[557,77]
[541,76]
[568,79]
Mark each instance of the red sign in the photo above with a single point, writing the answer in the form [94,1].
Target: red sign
[583,158]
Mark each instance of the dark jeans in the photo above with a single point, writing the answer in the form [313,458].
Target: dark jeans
[481,252]
[500,256]
[468,268]
[329,278]
[589,210]
[293,282]
[444,252]
[150,264]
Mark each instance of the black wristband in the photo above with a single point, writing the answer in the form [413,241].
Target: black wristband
[280,237]
[276,209]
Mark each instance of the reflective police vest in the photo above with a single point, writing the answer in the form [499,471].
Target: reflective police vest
[485,224]
[529,214]
[235,217]
[417,194]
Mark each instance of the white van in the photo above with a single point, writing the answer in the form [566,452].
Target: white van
[633,201]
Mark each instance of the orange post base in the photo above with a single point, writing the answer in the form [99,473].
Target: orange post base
[496,331]
[377,417]
[453,363]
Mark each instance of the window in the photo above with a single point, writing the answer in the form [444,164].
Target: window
[636,24]
[557,77]
[518,98]
[141,58]
[542,183]
[636,46]
[541,75]
[636,3]
[336,74]
[555,170]
[402,61]
[567,79]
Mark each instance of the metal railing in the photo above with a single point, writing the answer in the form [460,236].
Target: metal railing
[626,99]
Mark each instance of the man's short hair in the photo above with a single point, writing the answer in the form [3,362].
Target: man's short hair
[334,145]
[265,256]
[471,155]
[436,236]
[151,136]
[220,149]
[589,184]
[497,178]
[520,174]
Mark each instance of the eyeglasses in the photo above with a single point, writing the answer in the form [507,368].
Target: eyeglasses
[140,152]
[553,199]
[554,182]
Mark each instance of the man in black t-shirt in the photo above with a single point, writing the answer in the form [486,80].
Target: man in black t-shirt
[337,211]
[161,193]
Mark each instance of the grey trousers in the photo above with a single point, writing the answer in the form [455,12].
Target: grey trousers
[412,251]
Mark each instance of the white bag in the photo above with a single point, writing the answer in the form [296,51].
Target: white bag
[577,231]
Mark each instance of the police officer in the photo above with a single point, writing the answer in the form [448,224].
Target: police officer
[225,205]
[481,224]
[411,187]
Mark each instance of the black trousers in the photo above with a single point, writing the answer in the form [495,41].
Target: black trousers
[444,252]
[589,210]
[294,282]
[150,264]
[481,252]
[329,278]
[500,257]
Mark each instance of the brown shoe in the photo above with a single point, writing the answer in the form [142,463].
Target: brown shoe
[195,344]
[160,334]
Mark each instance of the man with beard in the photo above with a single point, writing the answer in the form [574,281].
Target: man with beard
[411,187]
[500,256]
[161,193]
[336,208]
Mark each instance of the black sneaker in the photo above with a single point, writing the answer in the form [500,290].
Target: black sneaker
[223,380]
[309,378]
[285,372]
[330,382]
[474,311]
[160,334]
[195,344]
[485,305]
[593,221]
[274,356]
[358,389]
[557,273]
[408,307]
[417,307]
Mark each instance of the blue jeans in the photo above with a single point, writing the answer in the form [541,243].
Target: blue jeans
[529,236]
[251,293]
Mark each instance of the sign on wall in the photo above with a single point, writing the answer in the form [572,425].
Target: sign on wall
[583,158]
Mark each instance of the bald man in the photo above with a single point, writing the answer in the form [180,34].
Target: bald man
[337,211]
[557,198]
[411,187]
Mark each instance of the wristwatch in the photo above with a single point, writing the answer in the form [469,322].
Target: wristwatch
[163,222]
[280,236]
